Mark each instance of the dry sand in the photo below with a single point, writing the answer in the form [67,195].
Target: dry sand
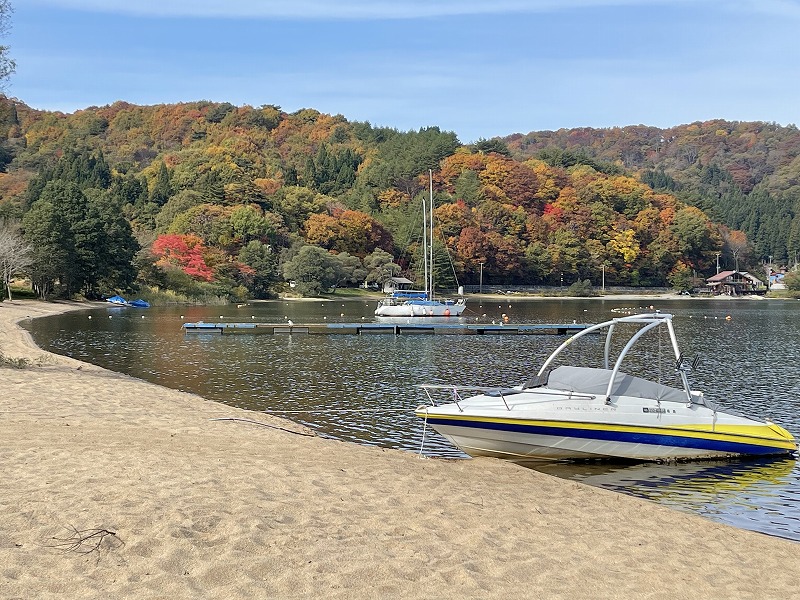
[116,488]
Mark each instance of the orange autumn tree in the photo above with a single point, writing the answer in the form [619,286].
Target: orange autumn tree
[350,231]
[185,252]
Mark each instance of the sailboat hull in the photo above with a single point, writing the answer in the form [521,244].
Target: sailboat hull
[420,308]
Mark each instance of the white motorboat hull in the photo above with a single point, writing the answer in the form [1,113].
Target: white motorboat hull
[538,425]
[522,447]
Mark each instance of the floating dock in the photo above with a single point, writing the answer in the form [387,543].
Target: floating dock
[384,328]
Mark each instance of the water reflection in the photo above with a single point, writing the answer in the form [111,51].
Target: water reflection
[760,495]
[363,388]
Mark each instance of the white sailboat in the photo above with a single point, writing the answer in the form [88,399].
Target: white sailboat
[421,303]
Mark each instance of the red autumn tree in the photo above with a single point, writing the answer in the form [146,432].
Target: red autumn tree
[185,252]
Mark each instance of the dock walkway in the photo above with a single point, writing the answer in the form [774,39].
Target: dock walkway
[384,328]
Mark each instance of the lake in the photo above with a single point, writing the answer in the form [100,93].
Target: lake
[362,389]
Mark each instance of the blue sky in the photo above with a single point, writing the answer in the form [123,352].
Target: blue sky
[480,68]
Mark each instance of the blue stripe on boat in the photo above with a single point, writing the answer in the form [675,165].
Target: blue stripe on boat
[652,439]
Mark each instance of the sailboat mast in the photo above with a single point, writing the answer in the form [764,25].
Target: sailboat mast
[430,179]
[425,246]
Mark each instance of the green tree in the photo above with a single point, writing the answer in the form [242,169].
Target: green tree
[313,270]
[81,168]
[332,173]
[495,145]
[113,247]
[295,204]
[353,272]
[792,281]
[581,288]
[692,231]
[405,156]
[248,223]
[175,206]
[129,189]
[681,278]
[217,112]
[161,188]
[81,242]
[43,229]
[261,259]
[380,266]
[468,188]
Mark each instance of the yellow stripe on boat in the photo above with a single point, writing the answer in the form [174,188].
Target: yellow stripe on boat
[759,435]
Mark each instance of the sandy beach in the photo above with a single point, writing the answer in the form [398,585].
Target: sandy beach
[116,488]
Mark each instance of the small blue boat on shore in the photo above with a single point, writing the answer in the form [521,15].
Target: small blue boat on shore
[120,301]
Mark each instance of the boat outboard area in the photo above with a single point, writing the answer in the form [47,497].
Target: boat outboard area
[575,412]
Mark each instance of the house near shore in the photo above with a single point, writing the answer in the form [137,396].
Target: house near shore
[396,284]
[735,283]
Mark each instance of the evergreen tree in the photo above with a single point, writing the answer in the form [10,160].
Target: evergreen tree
[495,145]
[52,240]
[161,189]
[81,242]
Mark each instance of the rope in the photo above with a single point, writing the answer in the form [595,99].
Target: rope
[424,431]
[335,410]
[449,257]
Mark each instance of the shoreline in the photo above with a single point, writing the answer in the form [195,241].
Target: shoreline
[183,497]
[374,297]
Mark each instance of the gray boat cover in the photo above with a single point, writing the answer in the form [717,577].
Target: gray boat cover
[588,380]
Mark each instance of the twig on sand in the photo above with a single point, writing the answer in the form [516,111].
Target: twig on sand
[86,541]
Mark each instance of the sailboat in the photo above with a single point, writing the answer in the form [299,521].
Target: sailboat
[421,303]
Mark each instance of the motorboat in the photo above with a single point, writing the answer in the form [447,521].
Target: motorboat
[421,303]
[139,303]
[584,412]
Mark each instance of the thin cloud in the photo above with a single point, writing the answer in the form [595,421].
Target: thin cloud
[325,9]
[778,8]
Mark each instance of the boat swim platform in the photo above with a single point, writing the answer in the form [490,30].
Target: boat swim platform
[384,328]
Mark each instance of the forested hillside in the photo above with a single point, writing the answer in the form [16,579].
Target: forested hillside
[745,175]
[209,198]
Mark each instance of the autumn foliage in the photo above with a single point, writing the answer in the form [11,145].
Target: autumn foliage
[184,252]
[229,194]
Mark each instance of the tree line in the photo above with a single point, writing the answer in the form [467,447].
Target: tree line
[209,199]
[745,175]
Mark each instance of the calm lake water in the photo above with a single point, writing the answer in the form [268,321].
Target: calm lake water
[363,388]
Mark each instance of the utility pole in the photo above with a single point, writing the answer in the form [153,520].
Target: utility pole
[603,266]
[480,286]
